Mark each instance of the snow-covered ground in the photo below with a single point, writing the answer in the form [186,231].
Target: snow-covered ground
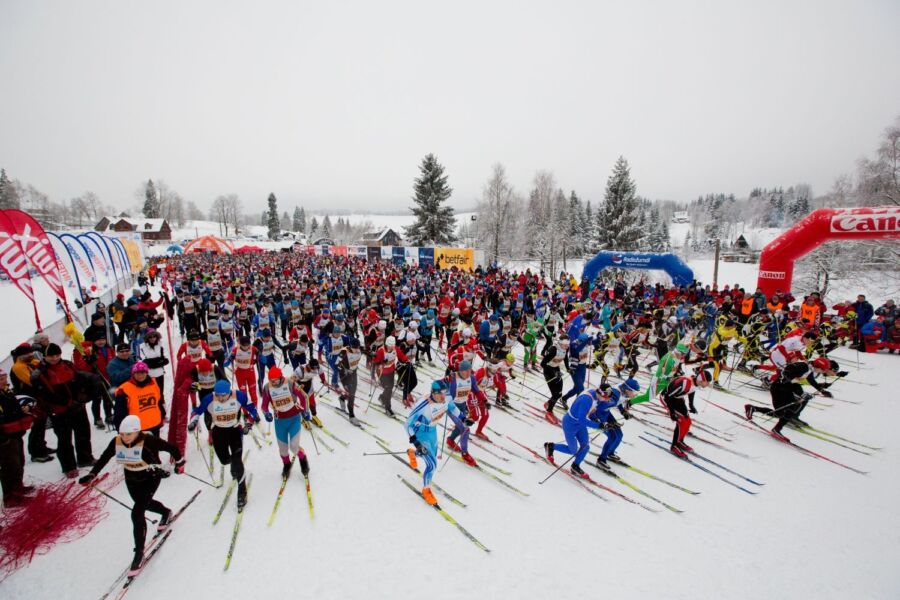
[813,530]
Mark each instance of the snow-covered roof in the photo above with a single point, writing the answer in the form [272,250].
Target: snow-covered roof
[378,235]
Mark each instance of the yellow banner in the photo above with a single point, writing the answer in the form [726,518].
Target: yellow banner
[134,255]
[461,258]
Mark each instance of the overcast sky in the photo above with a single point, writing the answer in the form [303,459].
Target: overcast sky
[333,104]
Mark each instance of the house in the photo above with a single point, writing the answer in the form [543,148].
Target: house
[150,229]
[383,237]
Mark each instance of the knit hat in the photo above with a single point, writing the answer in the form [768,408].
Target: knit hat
[53,350]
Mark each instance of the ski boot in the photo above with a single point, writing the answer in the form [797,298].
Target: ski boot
[451,443]
[749,409]
[602,464]
[164,521]
[242,496]
[286,469]
[685,447]
[577,471]
[317,421]
[718,385]
[428,496]
[136,563]
[797,422]
[355,421]
[564,403]
[413,463]
[616,459]
[304,465]
[548,452]
[343,402]
[469,460]
[482,436]
[677,451]
[779,436]
[99,424]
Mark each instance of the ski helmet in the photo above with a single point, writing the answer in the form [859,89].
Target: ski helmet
[130,424]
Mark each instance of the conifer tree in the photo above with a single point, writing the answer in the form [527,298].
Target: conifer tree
[435,223]
[272,220]
[617,218]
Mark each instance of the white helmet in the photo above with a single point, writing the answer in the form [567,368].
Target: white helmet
[382,324]
[467,332]
[130,424]
[390,341]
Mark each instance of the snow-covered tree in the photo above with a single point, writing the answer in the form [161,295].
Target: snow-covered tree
[285,221]
[151,201]
[539,242]
[435,223]
[326,226]
[8,196]
[272,222]
[313,228]
[299,222]
[617,218]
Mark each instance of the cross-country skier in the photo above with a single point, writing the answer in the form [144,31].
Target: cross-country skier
[138,453]
[788,397]
[421,426]
[574,424]
[613,397]
[225,407]
[280,394]
[471,403]
[673,398]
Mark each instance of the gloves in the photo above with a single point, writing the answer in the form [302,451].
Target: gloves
[322,377]
[268,416]
[626,414]
[247,427]
[195,386]
[843,373]
[469,422]
[179,465]
[306,415]
[87,479]
[420,449]
[192,425]
[827,394]
[672,415]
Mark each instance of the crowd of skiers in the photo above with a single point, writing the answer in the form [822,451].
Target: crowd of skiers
[261,334]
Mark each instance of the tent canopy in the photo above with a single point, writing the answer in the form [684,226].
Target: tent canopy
[209,243]
[249,250]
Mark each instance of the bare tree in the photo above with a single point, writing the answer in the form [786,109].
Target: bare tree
[219,213]
[879,178]
[234,212]
[540,214]
[496,224]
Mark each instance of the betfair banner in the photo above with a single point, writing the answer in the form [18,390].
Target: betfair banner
[461,258]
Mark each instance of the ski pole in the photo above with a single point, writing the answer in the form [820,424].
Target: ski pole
[117,501]
[568,460]
[444,439]
[203,481]
[375,386]
[383,453]
[312,434]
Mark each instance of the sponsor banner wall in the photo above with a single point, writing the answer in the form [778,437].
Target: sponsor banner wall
[426,257]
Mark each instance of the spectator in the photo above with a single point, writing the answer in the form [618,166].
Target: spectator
[24,364]
[15,419]
[864,313]
[889,311]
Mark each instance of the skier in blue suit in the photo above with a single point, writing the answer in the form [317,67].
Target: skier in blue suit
[421,426]
[575,423]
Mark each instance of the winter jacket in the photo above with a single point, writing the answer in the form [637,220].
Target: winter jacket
[119,370]
[864,312]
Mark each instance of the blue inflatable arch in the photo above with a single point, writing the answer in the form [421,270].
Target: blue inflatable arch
[680,273]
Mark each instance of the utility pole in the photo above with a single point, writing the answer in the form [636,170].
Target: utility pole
[716,266]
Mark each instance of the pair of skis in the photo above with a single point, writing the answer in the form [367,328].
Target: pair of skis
[156,542]
[281,489]
[446,516]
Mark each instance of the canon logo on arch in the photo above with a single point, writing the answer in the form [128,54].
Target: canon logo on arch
[888,222]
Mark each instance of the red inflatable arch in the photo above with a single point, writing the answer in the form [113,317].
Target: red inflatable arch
[776,262]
